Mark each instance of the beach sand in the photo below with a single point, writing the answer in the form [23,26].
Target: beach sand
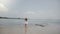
[19,29]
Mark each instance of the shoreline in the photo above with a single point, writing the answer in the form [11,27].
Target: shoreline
[20,29]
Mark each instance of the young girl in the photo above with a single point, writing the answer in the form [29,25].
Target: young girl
[26,21]
[26,25]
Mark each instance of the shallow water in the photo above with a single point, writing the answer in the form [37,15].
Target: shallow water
[18,27]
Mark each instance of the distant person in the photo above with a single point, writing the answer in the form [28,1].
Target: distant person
[26,25]
[26,21]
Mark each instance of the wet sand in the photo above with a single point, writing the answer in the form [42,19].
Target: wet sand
[18,29]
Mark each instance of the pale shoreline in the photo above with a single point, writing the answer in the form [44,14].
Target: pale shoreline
[18,29]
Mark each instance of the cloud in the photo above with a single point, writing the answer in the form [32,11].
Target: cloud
[5,1]
[42,14]
[30,12]
[3,8]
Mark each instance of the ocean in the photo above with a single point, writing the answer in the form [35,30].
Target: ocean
[16,26]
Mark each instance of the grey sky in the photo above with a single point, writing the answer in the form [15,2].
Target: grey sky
[39,9]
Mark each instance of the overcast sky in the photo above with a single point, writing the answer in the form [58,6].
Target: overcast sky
[36,9]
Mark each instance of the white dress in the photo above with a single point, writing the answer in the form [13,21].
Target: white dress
[26,22]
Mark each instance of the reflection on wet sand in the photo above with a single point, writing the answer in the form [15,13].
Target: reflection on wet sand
[30,29]
[26,28]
